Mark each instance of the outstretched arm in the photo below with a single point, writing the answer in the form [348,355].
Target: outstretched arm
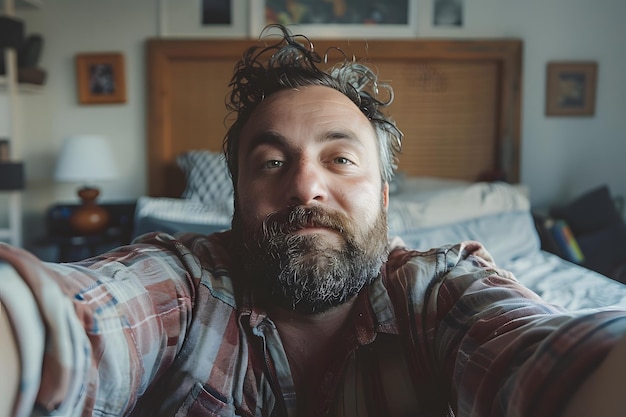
[511,353]
[603,394]
[125,312]
[9,365]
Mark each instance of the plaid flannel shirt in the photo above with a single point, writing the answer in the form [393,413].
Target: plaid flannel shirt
[164,327]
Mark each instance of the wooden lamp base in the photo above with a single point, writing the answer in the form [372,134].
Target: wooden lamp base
[89,218]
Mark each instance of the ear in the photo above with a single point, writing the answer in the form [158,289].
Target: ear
[386,195]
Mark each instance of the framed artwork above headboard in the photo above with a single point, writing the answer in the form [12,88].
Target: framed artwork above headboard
[457,102]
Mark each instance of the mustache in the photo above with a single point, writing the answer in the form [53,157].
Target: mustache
[292,219]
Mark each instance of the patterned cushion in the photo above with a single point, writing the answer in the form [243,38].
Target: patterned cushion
[208,179]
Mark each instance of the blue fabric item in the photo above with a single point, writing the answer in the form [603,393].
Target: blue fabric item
[173,215]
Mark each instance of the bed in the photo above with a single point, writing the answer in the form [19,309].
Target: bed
[458,103]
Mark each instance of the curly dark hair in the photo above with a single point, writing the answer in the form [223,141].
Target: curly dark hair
[292,62]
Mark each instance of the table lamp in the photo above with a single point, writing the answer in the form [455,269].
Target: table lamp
[87,159]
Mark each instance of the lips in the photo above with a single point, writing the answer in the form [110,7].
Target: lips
[313,228]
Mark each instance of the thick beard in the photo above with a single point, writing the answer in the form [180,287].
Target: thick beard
[307,273]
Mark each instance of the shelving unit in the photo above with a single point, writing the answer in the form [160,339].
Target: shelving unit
[10,92]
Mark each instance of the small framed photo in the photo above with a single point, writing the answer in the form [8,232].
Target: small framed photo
[100,78]
[448,13]
[204,18]
[571,88]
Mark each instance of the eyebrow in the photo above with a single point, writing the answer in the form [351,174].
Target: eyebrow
[266,137]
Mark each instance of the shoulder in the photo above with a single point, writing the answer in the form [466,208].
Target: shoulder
[436,261]
[417,274]
[207,257]
[193,249]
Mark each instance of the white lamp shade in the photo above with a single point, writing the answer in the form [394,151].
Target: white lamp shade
[85,158]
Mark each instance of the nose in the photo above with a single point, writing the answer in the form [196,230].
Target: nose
[307,183]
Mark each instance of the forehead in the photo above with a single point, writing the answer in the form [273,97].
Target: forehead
[311,109]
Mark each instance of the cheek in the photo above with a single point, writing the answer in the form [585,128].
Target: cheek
[362,200]
[253,202]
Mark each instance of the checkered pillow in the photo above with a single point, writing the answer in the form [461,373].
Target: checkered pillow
[208,179]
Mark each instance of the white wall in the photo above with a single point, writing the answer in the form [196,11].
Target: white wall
[561,157]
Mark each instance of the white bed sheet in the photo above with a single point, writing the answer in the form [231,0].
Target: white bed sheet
[566,284]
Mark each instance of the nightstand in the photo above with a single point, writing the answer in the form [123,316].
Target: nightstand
[69,246]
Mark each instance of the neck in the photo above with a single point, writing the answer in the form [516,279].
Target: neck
[309,340]
[312,342]
[293,322]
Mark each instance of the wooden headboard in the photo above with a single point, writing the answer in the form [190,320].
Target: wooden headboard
[457,101]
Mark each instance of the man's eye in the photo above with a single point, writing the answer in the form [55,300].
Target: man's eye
[273,163]
[342,160]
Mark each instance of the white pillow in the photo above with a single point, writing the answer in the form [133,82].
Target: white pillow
[453,205]
[404,185]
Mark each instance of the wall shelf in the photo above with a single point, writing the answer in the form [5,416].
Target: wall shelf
[23,88]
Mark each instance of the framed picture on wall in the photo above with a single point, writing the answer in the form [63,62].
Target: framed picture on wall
[448,13]
[571,88]
[216,12]
[100,78]
[204,18]
[329,19]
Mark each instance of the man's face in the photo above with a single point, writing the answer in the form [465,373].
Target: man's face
[310,207]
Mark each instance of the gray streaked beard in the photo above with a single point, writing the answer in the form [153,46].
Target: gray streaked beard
[303,272]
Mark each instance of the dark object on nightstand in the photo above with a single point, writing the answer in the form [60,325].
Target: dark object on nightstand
[73,246]
[598,226]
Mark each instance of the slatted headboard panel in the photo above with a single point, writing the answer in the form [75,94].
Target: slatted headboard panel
[457,102]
